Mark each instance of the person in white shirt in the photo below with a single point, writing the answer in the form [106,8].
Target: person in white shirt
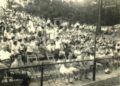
[18,36]
[77,52]
[15,47]
[57,43]
[30,27]
[50,47]
[31,46]
[8,34]
[4,43]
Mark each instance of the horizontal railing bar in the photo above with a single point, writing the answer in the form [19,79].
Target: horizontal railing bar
[43,63]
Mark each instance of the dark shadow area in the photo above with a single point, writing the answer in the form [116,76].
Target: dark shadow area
[86,13]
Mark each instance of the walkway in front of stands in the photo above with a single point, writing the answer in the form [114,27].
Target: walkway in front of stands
[100,76]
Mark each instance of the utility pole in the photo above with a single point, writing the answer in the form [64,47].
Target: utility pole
[99,17]
[98,31]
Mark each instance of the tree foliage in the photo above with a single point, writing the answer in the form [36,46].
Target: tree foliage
[74,12]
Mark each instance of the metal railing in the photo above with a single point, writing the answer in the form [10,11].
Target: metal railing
[47,74]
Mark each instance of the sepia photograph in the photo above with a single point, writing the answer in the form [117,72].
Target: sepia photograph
[59,42]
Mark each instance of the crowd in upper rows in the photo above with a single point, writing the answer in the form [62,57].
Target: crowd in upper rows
[30,34]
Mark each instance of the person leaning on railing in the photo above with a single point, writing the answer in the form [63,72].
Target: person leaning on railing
[19,73]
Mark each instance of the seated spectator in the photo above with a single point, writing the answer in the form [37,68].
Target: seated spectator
[15,47]
[77,52]
[50,47]
[31,46]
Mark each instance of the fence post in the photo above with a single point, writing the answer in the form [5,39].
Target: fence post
[42,70]
[94,70]
[97,32]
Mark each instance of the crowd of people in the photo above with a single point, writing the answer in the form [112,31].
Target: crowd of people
[23,35]
[26,34]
